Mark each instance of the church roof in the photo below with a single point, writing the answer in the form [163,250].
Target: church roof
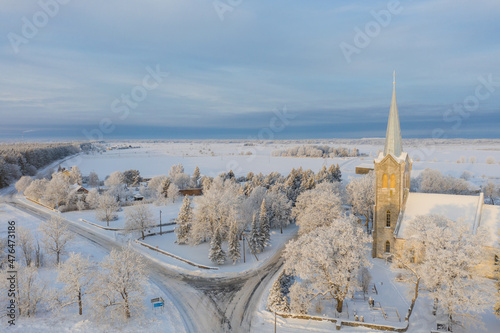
[453,207]
[470,208]
[393,144]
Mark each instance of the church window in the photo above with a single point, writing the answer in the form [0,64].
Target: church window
[393,181]
[388,219]
[496,260]
[387,247]
[384,181]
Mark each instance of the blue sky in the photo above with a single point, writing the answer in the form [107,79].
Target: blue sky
[68,69]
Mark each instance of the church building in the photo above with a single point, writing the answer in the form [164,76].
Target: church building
[395,206]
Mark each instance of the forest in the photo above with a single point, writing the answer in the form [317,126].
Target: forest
[24,159]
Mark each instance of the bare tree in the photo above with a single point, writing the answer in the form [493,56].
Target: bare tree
[107,208]
[55,236]
[26,243]
[139,218]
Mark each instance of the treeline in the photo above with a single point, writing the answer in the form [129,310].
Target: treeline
[21,159]
[317,151]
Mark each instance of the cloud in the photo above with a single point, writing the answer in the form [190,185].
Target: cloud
[229,74]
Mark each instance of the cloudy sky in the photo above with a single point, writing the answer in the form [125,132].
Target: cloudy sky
[225,68]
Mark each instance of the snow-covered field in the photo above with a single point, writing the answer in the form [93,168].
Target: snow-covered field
[479,158]
[213,158]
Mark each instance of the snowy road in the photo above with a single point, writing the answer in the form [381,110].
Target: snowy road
[205,304]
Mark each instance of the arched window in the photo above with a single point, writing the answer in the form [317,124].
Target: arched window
[388,218]
[384,181]
[387,247]
[393,181]
[496,260]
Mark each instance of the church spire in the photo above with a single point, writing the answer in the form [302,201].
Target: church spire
[393,136]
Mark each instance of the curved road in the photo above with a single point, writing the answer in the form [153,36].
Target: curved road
[206,304]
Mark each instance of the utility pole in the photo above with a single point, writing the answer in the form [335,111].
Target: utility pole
[160,222]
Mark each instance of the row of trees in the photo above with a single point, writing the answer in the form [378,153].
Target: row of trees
[21,159]
[433,181]
[110,290]
[317,151]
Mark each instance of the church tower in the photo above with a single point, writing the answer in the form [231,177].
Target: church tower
[392,172]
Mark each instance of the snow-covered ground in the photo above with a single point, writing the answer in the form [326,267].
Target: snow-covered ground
[156,158]
[391,295]
[199,254]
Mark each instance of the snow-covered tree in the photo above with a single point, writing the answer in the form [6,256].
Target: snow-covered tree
[92,198]
[255,241]
[278,299]
[300,298]
[490,191]
[55,236]
[26,243]
[213,210]
[120,282]
[206,182]
[107,208]
[216,253]
[318,207]
[57,190]
[93,179]
[364,280]
[361,193]
[139,218]
[36,189]
[195,178]
[75,175]
[182,181]
[116,185]
[116,178]
[184,221]
[280,209]
[234,242]
[132,177]
[433,181]
[77,274]
[23,183]
[444,254]
[155,186]
[175,169]
[173,192]
[264,227]
[328,259]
